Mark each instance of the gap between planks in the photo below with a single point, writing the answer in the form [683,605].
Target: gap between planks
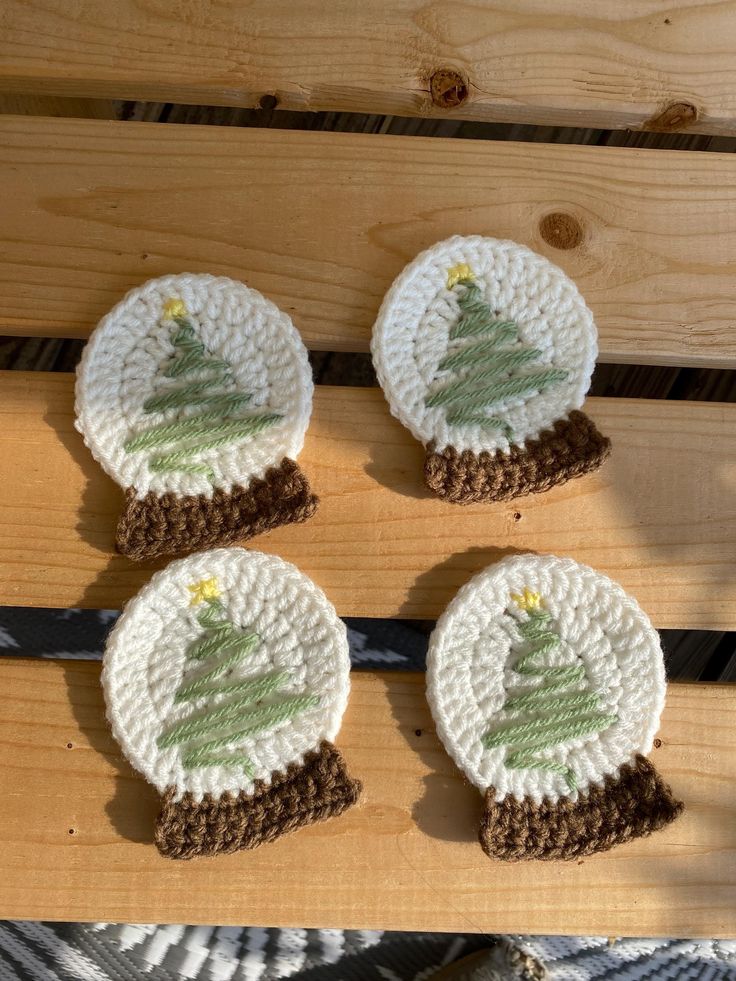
[659,517]
[322,223]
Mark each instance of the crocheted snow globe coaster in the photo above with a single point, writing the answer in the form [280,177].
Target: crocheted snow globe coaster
[546,682]
[194,394]
[484,350]
[225,681]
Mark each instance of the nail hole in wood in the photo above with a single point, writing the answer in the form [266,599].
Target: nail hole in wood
[70,745]
[517,515]
[268,101]
[448,88]
[72,831]
[417,732]
[560,230]
[657,743]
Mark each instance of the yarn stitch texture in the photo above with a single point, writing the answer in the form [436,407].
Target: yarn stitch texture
[220,418]
[634,804]
[484,351]
[318,789]
[546,682]
[558,709]
[167,524]
[486,372]
[227,672]
[196,389]
[572,448]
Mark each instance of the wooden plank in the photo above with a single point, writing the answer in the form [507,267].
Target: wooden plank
[660,517]
[571,63]
[49,105]
[322,222]
[407,858]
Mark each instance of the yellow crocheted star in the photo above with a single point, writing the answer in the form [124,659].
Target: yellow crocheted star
[205,589]
[457,273]
[174,308]
[527,600]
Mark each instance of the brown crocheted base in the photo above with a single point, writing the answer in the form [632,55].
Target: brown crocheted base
[573,447]
[632,805]
[318,789]
[168,524]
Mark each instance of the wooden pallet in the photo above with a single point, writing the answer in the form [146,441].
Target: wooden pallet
[666,67]
[77,829]
[321,222]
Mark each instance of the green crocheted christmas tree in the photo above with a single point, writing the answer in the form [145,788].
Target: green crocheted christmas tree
[487,361]
[208,733]
[204,381]
[556,710]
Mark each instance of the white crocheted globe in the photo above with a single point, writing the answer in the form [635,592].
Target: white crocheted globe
[155,669]
[528,303]
[480,678]
[126,374]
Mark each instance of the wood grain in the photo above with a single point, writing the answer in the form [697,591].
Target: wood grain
[323,222]
[660,517]
[407,858]
[49,105]
[571,63]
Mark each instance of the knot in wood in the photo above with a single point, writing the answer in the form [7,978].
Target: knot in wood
[448,88]
[675,116]
[560,230]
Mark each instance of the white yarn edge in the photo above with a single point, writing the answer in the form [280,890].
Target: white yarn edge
[303,409]
[444,624]
[383,369]
[115,650]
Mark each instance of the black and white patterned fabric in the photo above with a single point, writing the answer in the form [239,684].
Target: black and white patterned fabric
[604,959]
[80,634]
[108,952]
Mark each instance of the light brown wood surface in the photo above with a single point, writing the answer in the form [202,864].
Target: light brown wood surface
[77,828]
[660,517]
[570,63]
[322,223]
[50,105]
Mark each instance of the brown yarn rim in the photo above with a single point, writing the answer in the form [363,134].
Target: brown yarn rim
[168,524]
[632,805]
[315,790]
[573,447]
